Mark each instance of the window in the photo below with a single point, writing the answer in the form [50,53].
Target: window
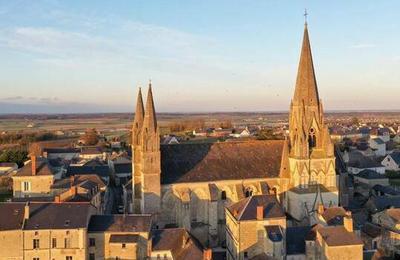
[92,257]
[25,186]
[123,245]
[245,255]
[35,258]
[54,243]
[92,241]
[223,195]
[68,257]
[249,192]
[375,245]
[35,243]
[67,243]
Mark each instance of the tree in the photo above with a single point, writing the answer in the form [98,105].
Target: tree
[17,156]
[90,137]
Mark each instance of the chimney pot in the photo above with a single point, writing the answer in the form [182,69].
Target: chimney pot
[33,164]
[260,212]
[207,254]
[26,211]
[348,222]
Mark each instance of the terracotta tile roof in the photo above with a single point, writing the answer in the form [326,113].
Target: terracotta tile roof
[334,215]
[120,223]
[246,209]
[45,215]
[220,161]
[177,240]
[394,214]
[339,236]
[42,168]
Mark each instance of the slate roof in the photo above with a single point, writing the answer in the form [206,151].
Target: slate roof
[101,170]
[370,175]
[78,180]
[363,162]
[120,223]
[123,167]
[246,209]
[45,215]
[42,168]
[182,245]
[386,190]
[8,164]
[395,156]
[206,162]
[372,230]
[339,236]
[61,150]
[378,140]
[295,240]
[383,202]
[130,238]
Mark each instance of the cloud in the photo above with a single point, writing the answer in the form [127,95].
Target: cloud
[362,46]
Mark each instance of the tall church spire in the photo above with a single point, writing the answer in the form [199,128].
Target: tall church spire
[139,112]
[150,120]
[306,90]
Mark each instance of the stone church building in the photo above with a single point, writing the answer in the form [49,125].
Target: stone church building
[189,185]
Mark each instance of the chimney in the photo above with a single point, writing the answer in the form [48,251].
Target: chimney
[348,221]
[33,164]
[321,209]
[260,212]
[57,199]
[73,191]
[207,254]
[26,211]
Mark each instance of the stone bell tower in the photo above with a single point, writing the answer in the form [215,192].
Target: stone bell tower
[309,151]
[146,157]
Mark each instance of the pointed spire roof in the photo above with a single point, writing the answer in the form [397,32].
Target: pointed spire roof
[139,112]
[150,120]
[306,85]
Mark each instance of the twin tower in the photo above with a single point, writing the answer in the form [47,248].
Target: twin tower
[146,158]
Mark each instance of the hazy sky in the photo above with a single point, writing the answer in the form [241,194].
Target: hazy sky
[88,56]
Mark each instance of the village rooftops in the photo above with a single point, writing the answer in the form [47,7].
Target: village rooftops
[334,215]
[36,216]
[338,236]
[295,240]
[247,209]
[87,181]
[182,245]
[120,223]
[205,162]
[370,175]
[41,167]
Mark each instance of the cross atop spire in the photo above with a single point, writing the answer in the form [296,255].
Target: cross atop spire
[305,17]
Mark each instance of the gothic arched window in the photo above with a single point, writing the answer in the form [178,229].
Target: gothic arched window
[249,192]
[311,139]
[223,195]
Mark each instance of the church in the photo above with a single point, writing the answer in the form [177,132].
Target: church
[190,185]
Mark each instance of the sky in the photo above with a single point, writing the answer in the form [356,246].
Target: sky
[201,56]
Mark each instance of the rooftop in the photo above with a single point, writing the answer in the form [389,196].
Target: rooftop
[338,236]
[120,223]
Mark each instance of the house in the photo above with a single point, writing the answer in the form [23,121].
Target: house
[389,221]
[177,243]
[371,235]
[44,230]
[119,237]
[66,153]
[170,139]
[358,162]
[255,225]
[91,153]
[392,161]
[34,179]
[103,171]
[380,190]
[378,146]
[371,178]
[382,133]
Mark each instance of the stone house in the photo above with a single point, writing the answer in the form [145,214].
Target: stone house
[44,230]
[34,179]
[177,243]
[255,226]
[119,237]
[378,145]
[389,221]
